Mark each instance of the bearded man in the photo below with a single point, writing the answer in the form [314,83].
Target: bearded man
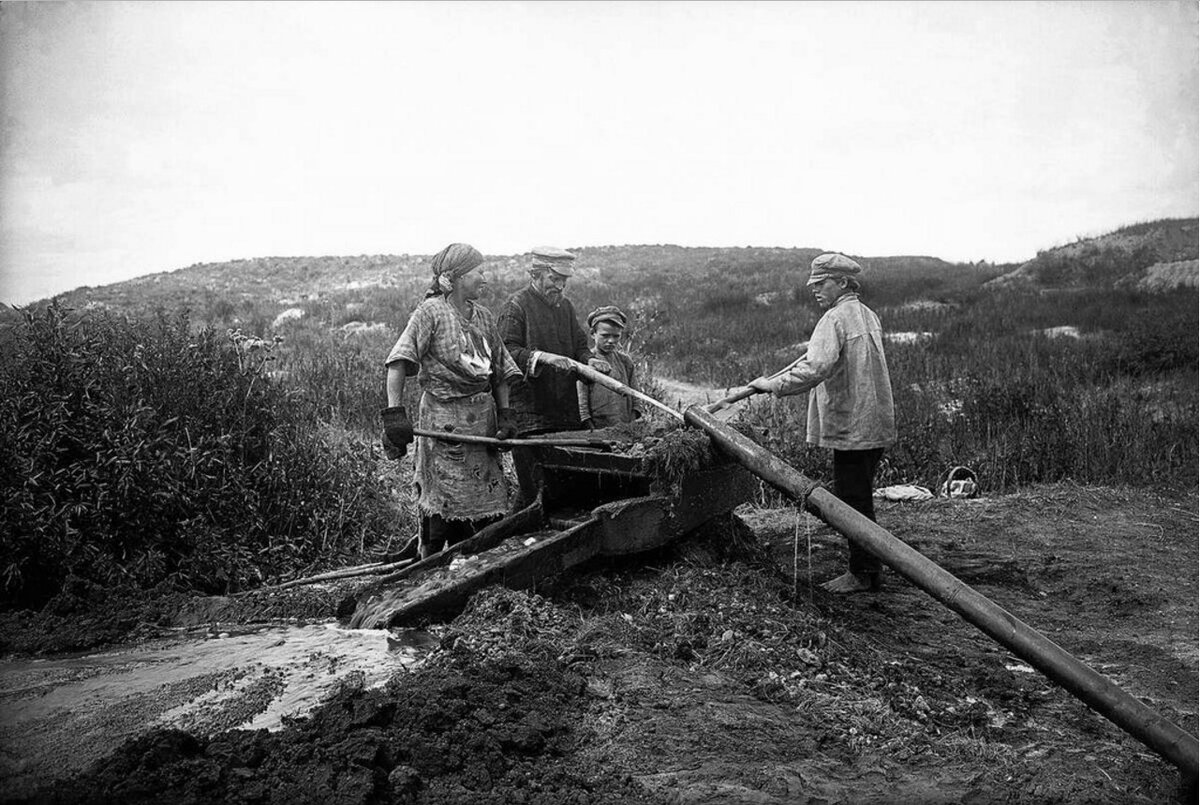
[541,332]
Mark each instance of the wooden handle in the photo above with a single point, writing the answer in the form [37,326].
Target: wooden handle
[746,391]
[742,393]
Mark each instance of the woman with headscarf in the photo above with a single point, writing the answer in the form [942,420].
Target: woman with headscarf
[451,343]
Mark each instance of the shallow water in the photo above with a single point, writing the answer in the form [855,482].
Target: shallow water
[62,713]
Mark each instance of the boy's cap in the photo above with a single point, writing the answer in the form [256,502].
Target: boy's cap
[556,259]
[832,265]
[609,313]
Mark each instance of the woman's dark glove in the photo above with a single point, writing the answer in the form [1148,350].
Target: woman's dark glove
[397,432]
[506,423]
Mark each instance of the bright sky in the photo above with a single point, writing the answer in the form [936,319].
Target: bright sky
[148,136]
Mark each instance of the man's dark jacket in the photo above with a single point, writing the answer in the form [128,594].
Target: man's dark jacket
[527,323]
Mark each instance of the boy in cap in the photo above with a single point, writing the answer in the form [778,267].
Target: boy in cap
[541,332]
[599,406]
[850,407]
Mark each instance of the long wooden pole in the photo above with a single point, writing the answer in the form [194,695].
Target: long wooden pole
[344,573]
[588,373]
[466,438]
[1086,684]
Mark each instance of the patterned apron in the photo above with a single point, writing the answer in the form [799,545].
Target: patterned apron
[459,481]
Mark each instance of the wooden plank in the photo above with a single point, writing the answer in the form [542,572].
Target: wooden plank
[528,519]
[633,525]
[583,460]
[442,591]
[706,494]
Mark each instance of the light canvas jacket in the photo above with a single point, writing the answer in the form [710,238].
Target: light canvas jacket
[850,407]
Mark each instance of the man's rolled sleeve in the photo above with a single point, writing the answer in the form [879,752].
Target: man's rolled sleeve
[507,368]
[512,333]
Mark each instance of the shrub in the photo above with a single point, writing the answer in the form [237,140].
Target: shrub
[139,453]
[1163,340]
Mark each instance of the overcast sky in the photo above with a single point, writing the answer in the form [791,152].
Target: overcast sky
[148,136]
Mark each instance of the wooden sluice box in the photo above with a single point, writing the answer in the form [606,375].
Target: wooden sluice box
[593,503]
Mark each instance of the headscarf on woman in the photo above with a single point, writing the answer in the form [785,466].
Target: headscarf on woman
[449,264]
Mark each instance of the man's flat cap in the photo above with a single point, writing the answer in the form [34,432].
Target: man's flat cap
[556,259]
[832,266]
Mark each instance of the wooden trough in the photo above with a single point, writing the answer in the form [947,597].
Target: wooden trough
[592,503]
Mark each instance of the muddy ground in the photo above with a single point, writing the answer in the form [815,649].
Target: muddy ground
[715,672]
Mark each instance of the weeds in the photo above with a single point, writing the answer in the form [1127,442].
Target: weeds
[142,453]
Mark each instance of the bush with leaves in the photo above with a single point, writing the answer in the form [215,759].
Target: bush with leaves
[142,454]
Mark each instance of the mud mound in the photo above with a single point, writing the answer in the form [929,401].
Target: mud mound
[309,602]
[86,616]
[500,623]
[750,624]
[500,731]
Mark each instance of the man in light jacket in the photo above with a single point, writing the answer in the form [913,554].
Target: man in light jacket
[850,406]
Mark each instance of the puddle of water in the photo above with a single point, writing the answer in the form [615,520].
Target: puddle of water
[57,715]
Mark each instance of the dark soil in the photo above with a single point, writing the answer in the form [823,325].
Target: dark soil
[718,672]
[498,732]
[85,616]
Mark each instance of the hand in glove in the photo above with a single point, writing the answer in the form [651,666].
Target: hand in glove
[397,432]
[506,423]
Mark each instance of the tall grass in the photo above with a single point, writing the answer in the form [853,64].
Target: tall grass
[993,392]
[148,453]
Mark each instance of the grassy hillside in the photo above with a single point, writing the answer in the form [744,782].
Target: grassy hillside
[680,299]
[124,467]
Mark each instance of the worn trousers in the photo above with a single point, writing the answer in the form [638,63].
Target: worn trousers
[438,533]
[853,484]
[529,475]
[528,469]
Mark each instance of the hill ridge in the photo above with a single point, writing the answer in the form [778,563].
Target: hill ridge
[1115,259]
